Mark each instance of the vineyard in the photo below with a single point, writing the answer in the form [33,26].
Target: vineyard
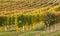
[29,15]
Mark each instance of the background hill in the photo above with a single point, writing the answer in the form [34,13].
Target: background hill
[29,17]
[11,7]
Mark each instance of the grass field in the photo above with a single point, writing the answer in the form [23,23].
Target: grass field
[31,33]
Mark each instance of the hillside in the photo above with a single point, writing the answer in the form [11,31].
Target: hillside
[14,7]
[29,17]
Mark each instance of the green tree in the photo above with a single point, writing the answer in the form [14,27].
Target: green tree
[3,20]
[11,20]
[37,18]
[21,20]
[29,20]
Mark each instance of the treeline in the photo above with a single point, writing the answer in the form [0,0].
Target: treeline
[21,20]
[4,20]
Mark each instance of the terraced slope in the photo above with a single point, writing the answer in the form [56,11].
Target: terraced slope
[8,7]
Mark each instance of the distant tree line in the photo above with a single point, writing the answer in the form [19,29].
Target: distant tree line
[21,20]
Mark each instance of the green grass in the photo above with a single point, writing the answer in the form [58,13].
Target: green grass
[12,33]
[31,33]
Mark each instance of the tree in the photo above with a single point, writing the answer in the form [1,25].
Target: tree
[37,18]
[21,21]
[29,20]
[13,20]
[49,19]
[3,20]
